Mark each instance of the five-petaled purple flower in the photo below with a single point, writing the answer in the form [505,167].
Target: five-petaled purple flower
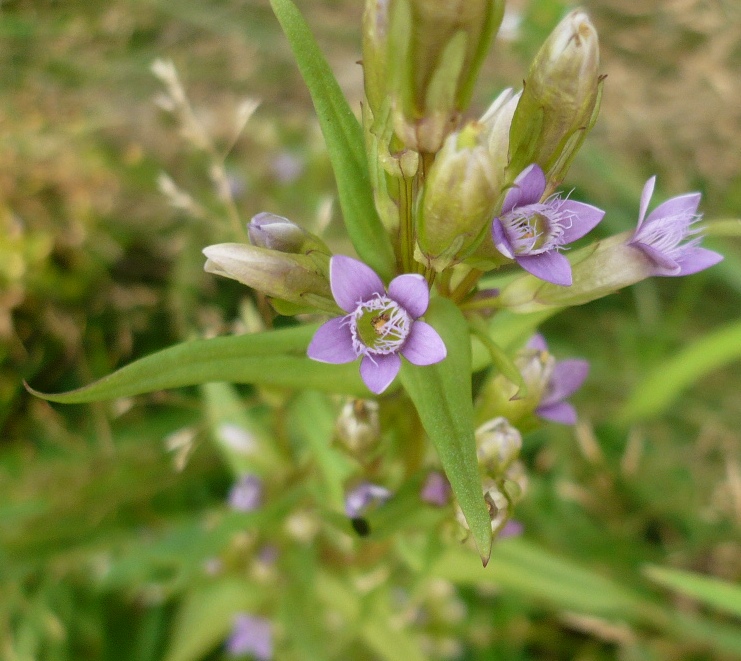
[379,325]
[251,635]
[566,378]
[531,232]
[660,235]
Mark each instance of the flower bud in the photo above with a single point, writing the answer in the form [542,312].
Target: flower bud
[375,53]
[501,397]
[498,444]
[293,278]
[559,100]
[266,230]
[458,199]
[498,121]
[497,504]
[438,47]
[358,427]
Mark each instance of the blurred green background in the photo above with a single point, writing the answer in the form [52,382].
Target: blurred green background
[98,266]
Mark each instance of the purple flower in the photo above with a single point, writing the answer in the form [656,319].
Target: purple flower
[531,232]
[251,635]
[660,236]
[246,494]
[565,379]
[378,326]
[511,529]
[436,489]
[362,497]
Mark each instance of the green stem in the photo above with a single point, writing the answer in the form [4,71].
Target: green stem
[466,285]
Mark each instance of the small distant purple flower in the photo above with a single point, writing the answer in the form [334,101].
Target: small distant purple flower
[246,494]
[512,528]
[363,497]
[660,236]
[436,490]
[251,635]
[379,325]
[566,378]
[531,232]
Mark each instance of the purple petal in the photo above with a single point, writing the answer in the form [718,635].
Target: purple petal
[511,529]
[665,264]
[648,191]
[332,343]
[246,494]
[411,292]
[561,412]
[379,371]
[550,266]
[352,282]
[567,378]
[696,259]
[537,342]
[585,219]
[501,240]
[528,188]
[436,489]
[424,346]
[681,206]
[363,496]
[251,635]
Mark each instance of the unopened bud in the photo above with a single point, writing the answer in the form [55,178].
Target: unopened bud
[498,444]
[497,504]
[375,53]
[293,278]
[438,47]
[501,397]
[560,96]
[358,427]
[266,230]
[498,121]
[458,200]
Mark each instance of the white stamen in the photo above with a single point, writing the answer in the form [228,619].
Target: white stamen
[537,228]
[392,329]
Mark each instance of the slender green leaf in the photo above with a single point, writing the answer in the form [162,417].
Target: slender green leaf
[345,143]
[313,418]
[521,567]
[442,395]
[673,375]
[206,617]
[241,439]
[711,591]
[266,359]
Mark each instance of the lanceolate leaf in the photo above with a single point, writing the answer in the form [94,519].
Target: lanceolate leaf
[665,383]
[712,591]
[442,395]
[275,358]
[345,143]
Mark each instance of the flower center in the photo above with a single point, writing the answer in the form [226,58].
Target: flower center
[536,228]
[379,325]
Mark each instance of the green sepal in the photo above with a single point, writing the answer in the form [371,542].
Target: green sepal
[274,358]
[345,143]
[442,396]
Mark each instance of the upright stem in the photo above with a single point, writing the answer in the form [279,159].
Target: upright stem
[406,224]
[466,285]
